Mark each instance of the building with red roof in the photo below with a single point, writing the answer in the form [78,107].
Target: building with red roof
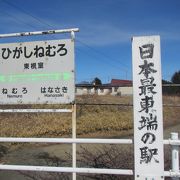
[120,82]
[115,87]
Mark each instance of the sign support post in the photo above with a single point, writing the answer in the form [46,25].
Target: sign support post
[74,137]
[43,74]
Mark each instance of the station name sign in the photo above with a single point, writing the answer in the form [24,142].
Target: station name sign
[39,72]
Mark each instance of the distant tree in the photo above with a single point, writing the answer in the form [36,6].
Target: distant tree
[96,81]
[173,90]
[176,77]
[166,82]
[167,90]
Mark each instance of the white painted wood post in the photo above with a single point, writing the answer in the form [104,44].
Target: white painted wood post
[175,156]
[74,137]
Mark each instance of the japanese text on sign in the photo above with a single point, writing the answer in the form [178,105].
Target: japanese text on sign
[148,120]
[37,72]
[148,133]
[37,52]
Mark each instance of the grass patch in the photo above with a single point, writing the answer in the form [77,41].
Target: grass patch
[91,119]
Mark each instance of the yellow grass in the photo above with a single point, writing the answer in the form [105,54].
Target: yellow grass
[91,120]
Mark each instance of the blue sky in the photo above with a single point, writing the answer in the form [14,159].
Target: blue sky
[103,45]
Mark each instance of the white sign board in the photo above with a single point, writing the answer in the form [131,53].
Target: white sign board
[37,72]
[147,97]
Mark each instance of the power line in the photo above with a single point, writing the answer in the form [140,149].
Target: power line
[26,12]
[17,19]
[47,24]
[101,53]
[107,62]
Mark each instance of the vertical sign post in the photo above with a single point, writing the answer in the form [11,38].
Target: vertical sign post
[148,123]
[40,72]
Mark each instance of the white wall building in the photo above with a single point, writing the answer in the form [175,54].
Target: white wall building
[116,87]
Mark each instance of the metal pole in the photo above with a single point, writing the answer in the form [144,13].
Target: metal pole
[66,169]
[77,170]
[74,137]
[67,140]
[39,32]
[175,156]
[73,124]
[35,110]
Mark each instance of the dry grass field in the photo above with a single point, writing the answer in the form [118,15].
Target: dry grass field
[97,116]
[92,120]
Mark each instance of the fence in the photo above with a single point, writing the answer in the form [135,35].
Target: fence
[173,141]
